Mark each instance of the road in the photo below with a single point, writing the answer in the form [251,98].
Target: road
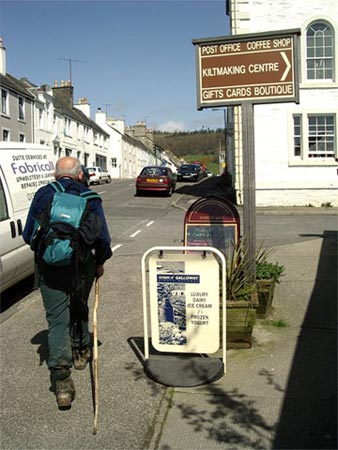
[129,401]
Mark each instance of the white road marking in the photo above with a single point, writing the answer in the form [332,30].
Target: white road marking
[132,236]
[135,234]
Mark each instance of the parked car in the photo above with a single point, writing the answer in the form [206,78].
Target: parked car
[189,172]
[156,179]
[98,176]
[203,167]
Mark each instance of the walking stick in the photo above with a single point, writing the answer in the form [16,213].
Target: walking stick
[95,357]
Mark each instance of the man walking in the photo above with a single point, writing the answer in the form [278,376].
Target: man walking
[65,290]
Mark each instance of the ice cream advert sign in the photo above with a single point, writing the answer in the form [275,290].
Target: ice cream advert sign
[184,299]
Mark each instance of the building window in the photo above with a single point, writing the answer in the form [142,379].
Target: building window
[321,131]
[4,102]
[5,135]
[86,134]
[55,123]
[48,115]
[96,139]
[114,162]
[319,51]
[22,137]
[21,108]
[314,136]
[3,204]
[40,118]
[297,135]
[67,130]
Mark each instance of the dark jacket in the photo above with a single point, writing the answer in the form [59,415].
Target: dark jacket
[42,198]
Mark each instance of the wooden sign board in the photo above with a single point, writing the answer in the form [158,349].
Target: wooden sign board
[259,68]
[214,222]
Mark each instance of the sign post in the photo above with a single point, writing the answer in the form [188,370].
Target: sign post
[249,188]
[244,70]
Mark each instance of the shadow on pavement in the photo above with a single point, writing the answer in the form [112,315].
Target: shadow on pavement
[308,418]
[16,293]
[229,418]
[41,339]
[206,187]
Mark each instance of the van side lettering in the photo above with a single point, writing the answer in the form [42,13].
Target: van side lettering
[29,168]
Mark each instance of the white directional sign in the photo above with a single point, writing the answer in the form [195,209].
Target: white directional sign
[259,68]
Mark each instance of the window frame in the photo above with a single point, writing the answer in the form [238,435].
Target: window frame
[21,108]
[4,210]
[8,134]
[304,157]
[4,104]
[308,83]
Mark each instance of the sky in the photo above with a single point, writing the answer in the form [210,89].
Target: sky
[133,59]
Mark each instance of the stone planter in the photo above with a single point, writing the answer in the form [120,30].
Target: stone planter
[265,292]
[240,320]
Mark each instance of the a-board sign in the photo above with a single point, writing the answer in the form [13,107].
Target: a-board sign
[212,221]
[184,305]
[259,68]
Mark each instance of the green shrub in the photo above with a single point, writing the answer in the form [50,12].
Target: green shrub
[269,271]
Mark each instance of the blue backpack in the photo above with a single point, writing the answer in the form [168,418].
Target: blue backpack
[66,229]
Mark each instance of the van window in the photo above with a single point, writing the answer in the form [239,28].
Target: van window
[3,204]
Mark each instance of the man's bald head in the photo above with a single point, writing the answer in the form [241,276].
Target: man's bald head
[68,167]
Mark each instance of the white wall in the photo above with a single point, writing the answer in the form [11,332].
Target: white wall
[282,178]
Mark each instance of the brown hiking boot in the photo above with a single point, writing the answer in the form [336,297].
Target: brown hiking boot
[81,357]
[65,393]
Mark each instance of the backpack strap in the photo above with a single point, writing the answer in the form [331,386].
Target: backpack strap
[57,186]
[88,195]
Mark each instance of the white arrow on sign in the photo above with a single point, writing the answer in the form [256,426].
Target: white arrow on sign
[288,66]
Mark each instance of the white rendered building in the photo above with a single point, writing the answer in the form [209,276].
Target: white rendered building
[295,144]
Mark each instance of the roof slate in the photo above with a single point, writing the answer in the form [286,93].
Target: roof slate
[15,85]
[76,115]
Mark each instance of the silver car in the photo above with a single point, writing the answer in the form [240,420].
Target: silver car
[97,175]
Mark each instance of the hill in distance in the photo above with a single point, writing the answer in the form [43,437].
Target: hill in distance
[202,145]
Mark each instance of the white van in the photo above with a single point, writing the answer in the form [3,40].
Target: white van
[24,168]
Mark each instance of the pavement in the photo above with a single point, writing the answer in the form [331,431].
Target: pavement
[279,394]
[282,392]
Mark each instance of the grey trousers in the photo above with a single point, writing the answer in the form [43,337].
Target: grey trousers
[67,317]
